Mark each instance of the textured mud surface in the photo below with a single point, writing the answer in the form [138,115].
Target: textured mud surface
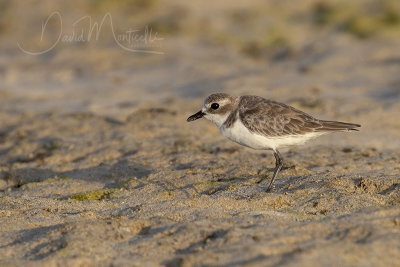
[100,167]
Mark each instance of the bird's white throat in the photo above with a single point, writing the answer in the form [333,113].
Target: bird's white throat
[218,119]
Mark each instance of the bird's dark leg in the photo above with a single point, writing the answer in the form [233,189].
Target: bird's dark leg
[278,167]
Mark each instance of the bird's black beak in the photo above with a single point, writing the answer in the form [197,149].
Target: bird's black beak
[196,116]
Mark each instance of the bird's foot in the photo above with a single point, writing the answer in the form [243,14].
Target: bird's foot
[269,189]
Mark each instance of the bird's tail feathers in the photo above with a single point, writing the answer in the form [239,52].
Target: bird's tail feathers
[338,126]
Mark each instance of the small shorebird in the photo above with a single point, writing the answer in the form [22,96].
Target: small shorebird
[261,123]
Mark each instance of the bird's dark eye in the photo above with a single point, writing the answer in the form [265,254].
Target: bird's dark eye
[214,105]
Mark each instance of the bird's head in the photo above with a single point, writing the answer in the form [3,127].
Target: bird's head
[216,108]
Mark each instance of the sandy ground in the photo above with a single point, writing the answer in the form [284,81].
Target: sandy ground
[98,166]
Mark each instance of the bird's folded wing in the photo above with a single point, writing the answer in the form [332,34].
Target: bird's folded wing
[267,117]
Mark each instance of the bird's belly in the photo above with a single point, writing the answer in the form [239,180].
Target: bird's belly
[241,135]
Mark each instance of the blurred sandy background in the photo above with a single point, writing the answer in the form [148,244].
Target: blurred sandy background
[99,167]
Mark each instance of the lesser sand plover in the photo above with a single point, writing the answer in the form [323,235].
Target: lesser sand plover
[261,123]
